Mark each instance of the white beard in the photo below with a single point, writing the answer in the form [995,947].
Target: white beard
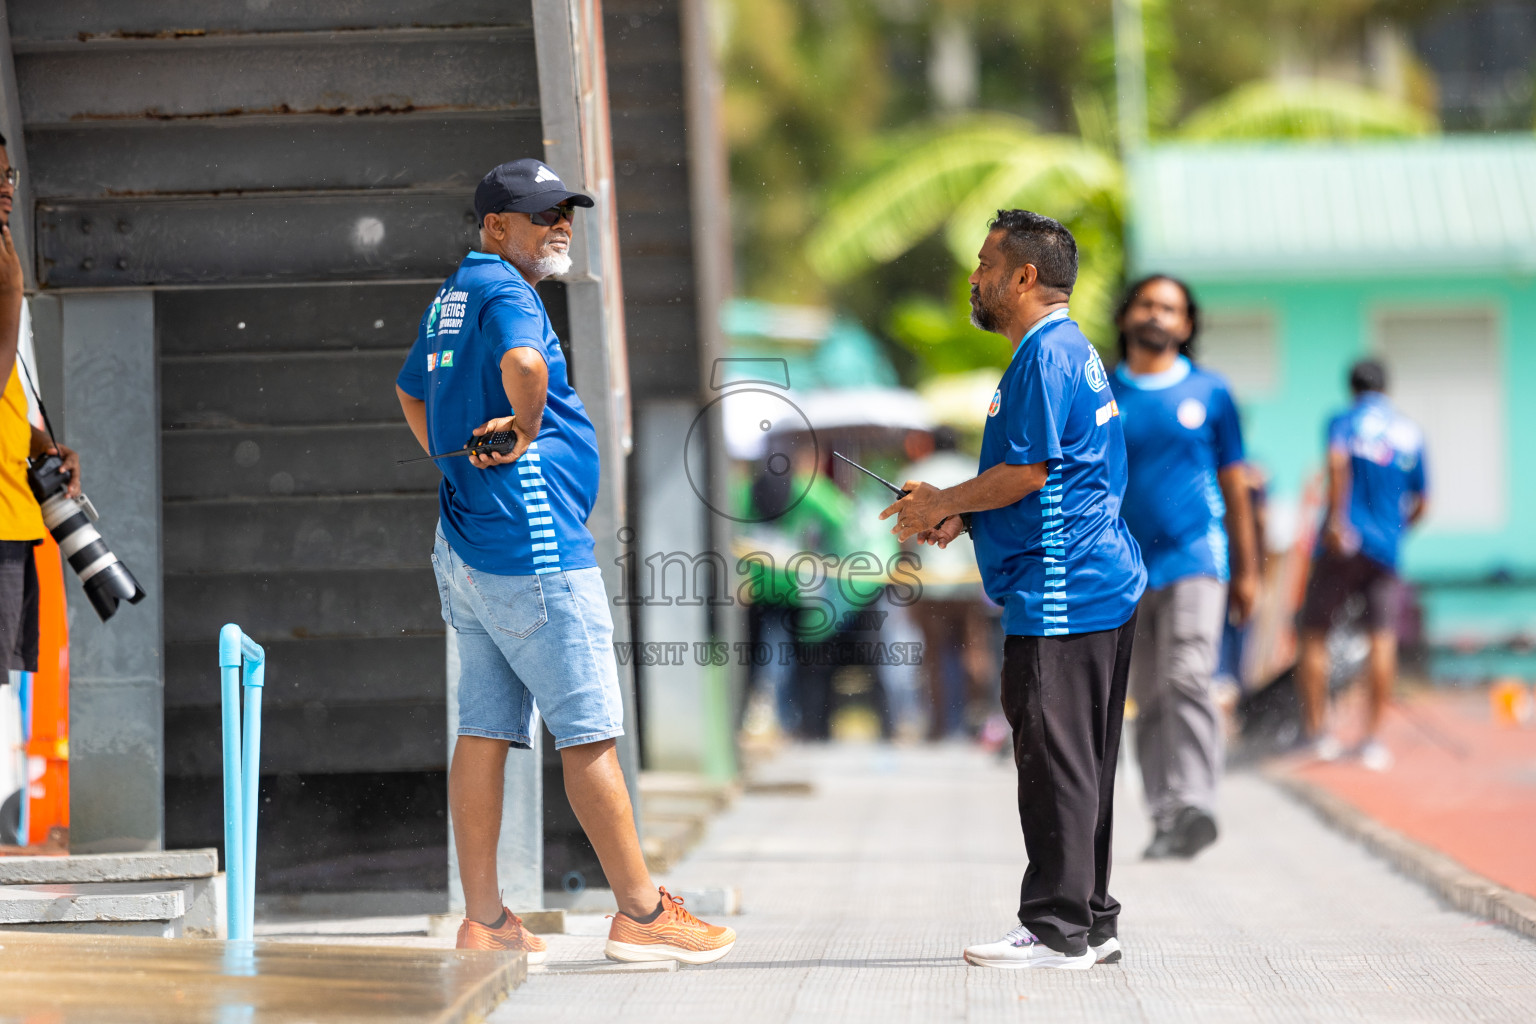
[553,265]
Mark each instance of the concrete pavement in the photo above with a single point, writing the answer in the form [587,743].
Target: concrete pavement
[858,899]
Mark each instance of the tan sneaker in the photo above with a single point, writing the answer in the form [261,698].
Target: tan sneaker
[511,936]
[674,935]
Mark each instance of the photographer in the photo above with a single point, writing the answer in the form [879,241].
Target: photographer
[21,520]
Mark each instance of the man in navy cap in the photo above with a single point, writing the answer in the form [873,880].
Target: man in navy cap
[515,568]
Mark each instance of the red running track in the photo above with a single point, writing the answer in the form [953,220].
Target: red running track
[1461,783]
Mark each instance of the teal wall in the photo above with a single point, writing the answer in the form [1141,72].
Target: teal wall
[1320,328]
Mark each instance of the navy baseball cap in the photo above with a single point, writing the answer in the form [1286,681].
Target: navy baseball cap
[523,186]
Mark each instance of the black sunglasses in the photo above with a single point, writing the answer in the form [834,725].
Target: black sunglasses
[550,217]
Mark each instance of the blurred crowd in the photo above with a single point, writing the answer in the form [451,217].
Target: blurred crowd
[839,606]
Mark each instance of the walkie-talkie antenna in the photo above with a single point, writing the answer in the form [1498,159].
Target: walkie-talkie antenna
[425,458]
[894,489]
[499,443]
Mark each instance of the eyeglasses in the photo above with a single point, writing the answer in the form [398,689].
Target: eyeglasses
[11,177]
[550,217]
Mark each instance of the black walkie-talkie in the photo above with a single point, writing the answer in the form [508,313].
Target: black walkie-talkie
[499,443]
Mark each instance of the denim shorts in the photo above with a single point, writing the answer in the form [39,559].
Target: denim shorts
[531,646]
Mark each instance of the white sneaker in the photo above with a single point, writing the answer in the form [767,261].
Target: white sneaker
[1375,757]
[1020,949]
[1327,748]
[1106,952]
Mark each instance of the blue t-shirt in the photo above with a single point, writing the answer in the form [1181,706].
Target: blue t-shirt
[528,516]
[1180,428]
[1059,560]
[1386,467]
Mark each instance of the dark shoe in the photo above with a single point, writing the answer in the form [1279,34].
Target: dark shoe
[1163,846]
[1193,831]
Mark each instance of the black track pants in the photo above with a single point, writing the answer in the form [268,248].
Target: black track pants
[1065,698]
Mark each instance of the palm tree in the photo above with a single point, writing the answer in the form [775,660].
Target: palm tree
[955,179]
[960,171]
[1306,109]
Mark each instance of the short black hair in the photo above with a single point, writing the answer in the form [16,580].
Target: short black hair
[2,139]
[1367,375]
[1035,238]
[1187,349]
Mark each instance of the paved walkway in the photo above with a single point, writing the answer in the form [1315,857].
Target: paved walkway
[859,898]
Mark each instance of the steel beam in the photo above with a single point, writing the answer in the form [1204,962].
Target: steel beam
[266,239]
[276,153]
[573,87]
[47,20]
[116,739]
[299,73]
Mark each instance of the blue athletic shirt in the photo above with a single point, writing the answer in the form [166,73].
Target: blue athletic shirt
[527,517]
[1386,466]
[1059,560]
[1180,428]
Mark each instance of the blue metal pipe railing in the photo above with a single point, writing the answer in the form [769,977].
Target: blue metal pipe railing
[242,666]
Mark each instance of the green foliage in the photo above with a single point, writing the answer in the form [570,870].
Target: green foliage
[940,335]
[956,179]
[1306,110]
[805,85]
[841,163]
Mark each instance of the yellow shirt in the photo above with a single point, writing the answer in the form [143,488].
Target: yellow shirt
[20,517]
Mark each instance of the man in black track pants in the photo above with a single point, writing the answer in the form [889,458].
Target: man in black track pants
[1054,552]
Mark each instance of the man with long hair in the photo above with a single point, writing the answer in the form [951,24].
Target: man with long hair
[1187,504]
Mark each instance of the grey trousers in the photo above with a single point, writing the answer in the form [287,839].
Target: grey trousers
[1178,729]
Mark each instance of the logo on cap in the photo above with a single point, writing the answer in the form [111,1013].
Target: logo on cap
[545,174]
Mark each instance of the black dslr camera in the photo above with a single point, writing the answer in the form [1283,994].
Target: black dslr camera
[106,580]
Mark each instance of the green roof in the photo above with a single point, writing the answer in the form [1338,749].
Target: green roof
[1254,211]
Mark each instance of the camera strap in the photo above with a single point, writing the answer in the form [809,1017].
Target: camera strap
[38,395]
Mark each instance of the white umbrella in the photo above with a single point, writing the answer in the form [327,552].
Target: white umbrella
[750,414]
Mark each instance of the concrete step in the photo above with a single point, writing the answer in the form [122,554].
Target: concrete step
[675,808]
[109,867]
[156,909]
[170,894]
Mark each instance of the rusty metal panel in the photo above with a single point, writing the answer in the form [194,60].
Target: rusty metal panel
[292,153]
[37,20]
[300,73]
[249,239]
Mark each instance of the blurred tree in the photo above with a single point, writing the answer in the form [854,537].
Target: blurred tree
[955,173]
[817,93]
[805,84]
[1289,109]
